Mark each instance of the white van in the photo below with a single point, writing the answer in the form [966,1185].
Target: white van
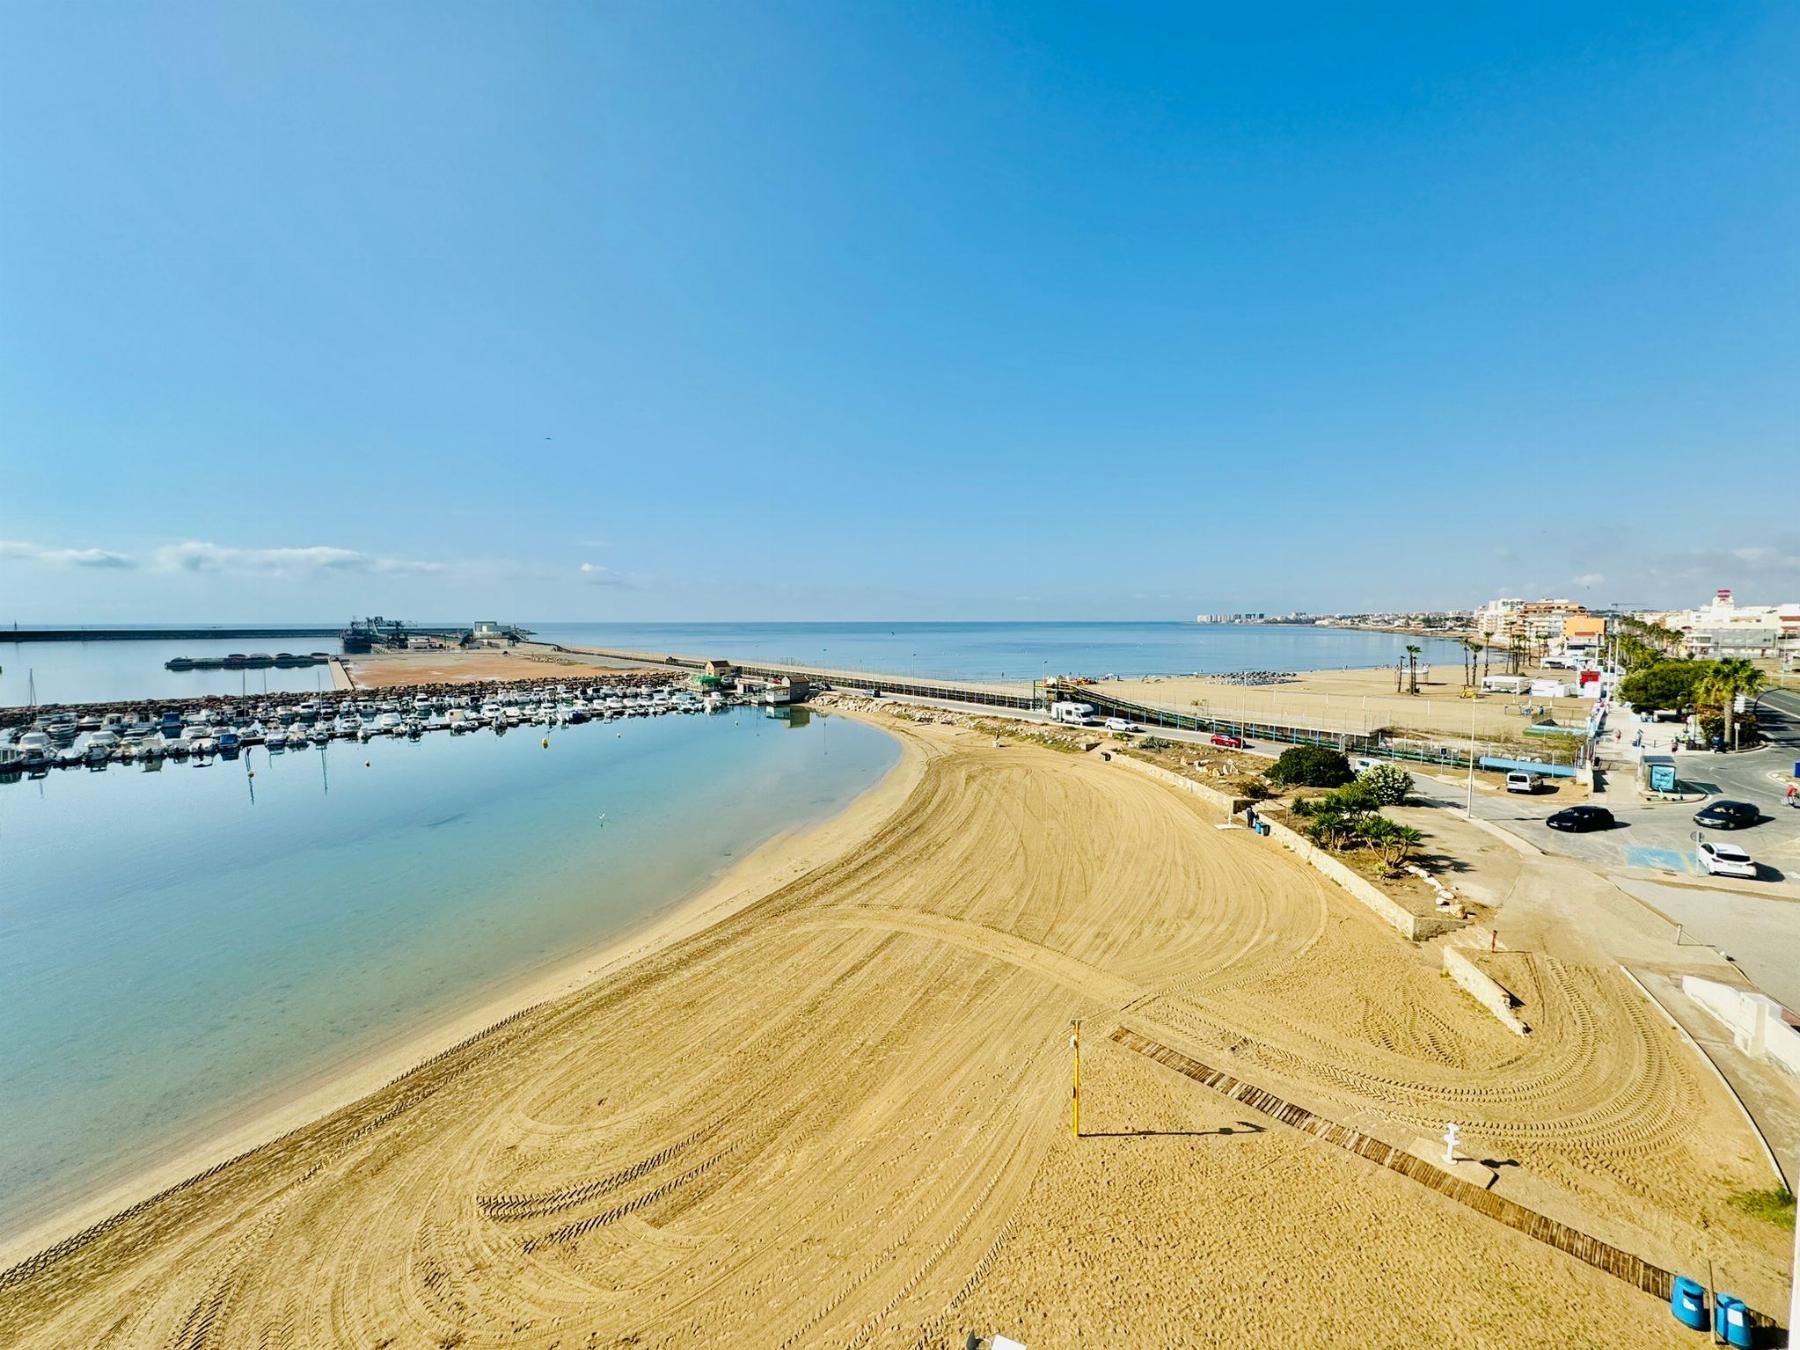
[1075,714]
[1520,781]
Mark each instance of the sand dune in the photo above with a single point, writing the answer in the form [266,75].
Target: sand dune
[839,1117]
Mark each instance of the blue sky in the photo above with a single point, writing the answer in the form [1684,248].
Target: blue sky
[785,311]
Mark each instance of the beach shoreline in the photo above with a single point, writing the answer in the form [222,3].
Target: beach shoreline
[735,887]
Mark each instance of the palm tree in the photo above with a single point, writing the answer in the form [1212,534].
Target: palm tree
[1412,667]
[1474,650]
[1728,679]
[1393,842]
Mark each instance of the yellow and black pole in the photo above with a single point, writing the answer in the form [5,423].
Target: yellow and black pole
[1075,1097]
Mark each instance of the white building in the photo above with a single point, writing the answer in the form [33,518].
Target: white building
[1724,628]
[1496,618]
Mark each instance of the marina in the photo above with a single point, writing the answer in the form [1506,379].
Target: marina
[147,734]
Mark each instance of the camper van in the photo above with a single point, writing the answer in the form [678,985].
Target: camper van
[1074,714]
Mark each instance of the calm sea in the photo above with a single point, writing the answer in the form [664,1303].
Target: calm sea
[96,672]
[180,946]
[1015,651]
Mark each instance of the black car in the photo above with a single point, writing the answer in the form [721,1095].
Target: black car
[1728,815]
[1581,819]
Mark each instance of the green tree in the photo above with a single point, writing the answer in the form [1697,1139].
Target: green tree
[1331,830]
[1721,685]
[1664,684]
[1412,667]
[1310,766]
[1393,843]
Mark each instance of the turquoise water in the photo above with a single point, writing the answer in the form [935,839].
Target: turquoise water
[72,672]
[177,947]
[1015,651]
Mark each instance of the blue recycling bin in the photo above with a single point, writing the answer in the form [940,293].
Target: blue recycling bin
[1731,1320]
[1687,1300]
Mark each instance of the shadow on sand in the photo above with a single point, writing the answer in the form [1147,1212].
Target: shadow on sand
[1242,1127]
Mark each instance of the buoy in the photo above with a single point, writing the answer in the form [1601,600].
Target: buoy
[546,742]
[368,764]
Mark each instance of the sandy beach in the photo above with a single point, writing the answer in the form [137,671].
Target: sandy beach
[775,862]
[396,667]
[827,1103]
[1354,701]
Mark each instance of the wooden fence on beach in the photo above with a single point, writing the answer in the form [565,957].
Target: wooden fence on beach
[1633,1270]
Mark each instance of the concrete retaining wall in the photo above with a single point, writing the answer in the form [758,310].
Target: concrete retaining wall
[1484,989]
[1390,911]
[1756,1021]
[1224,801]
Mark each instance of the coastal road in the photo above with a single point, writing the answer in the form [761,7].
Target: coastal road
[1760,934]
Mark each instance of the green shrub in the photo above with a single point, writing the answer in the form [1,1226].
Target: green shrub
[1310,766]
[1389,783]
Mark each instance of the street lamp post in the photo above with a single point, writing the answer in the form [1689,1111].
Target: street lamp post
[1469,805]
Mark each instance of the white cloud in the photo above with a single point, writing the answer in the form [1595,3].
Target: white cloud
[193,555]
[596,575]
[1591,579]
[63,557]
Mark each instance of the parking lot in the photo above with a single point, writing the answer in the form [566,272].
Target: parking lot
[1661,835]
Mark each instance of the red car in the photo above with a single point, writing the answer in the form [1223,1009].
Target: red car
[1229,742]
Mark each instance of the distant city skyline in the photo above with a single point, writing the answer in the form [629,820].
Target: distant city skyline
[750,313]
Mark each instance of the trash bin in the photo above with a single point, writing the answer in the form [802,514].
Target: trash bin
[1731,1320]
[1687,1300]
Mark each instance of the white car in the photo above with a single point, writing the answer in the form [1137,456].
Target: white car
[1726,860]
[1119,724]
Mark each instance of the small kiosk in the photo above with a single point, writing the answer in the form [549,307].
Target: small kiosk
[1656,774]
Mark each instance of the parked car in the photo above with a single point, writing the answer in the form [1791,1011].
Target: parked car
[1119,724]
[1581,819]
[1727,815]
[1726,860]
[1520,781]
[1227,740]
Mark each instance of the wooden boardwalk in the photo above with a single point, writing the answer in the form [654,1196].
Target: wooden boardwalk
[1652,1279]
